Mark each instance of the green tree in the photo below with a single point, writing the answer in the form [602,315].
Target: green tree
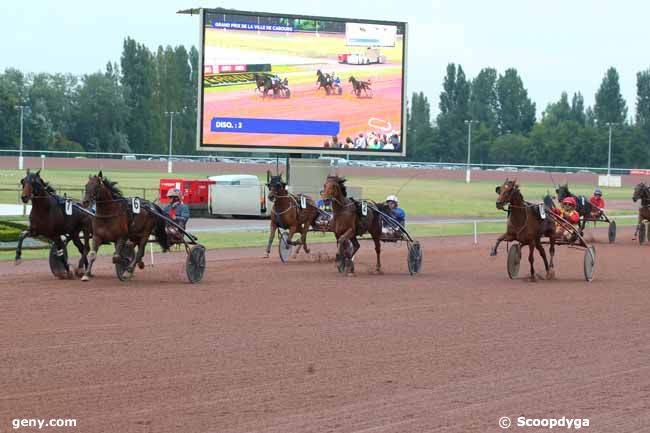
[578,108]
[610,105]
[516,111]
[484,102]
[643,101]
[454,110]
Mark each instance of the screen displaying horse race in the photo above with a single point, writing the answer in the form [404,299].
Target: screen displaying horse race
[301,84]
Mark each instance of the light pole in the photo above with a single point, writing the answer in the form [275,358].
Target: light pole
[469,148]
[171,129]
[20,156]
[609,152]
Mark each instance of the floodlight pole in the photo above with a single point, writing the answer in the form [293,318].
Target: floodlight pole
[171,126]
[20,156]
[609,152]
[469,148]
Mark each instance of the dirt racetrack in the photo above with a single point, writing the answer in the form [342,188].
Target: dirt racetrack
[261,346]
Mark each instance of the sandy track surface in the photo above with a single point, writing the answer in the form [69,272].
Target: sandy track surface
[261,346]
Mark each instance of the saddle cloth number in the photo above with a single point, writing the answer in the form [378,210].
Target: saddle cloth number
[135,205]
[68,207]
[542,211]
[303,202]
[364,208]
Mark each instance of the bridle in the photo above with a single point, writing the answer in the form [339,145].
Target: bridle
[36,186]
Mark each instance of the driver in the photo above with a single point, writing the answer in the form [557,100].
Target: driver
[567,211]
[177,210]
[395,211]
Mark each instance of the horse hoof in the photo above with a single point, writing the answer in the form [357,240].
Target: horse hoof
[550,275]
[18,261]
[493,253]
[266,256]
[85,278]
[92,256]
[116,259]
[140,264]
[78,272]
[350,274]
[378,272]
[532,279]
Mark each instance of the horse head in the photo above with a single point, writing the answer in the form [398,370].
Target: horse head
[506,192]
[640,192]
[32,185]
[334,189]
[277,187]
[91,191]
[563,191]
[351,79]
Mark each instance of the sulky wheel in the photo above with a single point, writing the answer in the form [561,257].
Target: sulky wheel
[414,258]
[58,264]
[642,233]
[126,256]
[514,259]
[611,232]
[284,247]
[590,263]
[195,263]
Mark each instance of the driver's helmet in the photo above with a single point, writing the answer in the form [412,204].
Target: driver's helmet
[392,198]
[569,200]
[174,192]
[598,192]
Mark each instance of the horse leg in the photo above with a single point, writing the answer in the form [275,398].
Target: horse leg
[504,237]
[83,251]
[540,248]
[303,237]
[61,245]
[19,247]
[97,241]
[531,259]
[636,232]
[376,238]
[142,244]
[552,251]
[274,228]
[347,236]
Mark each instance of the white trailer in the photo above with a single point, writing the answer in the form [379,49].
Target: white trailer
[238,194]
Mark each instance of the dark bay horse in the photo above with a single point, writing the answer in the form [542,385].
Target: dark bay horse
[324,81]
[288,213]
[116,222]
[48,219]
[583,207]
[348,222]
[263,82]
[525,226]
[642,192]
[358,86]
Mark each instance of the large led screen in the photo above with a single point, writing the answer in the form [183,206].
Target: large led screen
[301,84]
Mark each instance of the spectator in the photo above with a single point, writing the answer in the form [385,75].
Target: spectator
[349,144]
[361,142]
[335,142]
[326,144]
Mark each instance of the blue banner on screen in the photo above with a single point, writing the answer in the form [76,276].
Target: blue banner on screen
[274,126]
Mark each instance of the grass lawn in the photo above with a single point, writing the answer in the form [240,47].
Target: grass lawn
[419,197]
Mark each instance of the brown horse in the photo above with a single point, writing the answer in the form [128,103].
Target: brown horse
[288,213]
[349,221]
[116,222]
[642,192]
[525,226]
[49,219]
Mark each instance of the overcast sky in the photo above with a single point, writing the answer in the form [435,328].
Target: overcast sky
[555,45]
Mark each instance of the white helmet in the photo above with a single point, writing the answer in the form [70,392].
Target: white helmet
[174,192]
[393,198]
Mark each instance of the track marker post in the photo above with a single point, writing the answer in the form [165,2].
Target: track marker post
[475,232]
